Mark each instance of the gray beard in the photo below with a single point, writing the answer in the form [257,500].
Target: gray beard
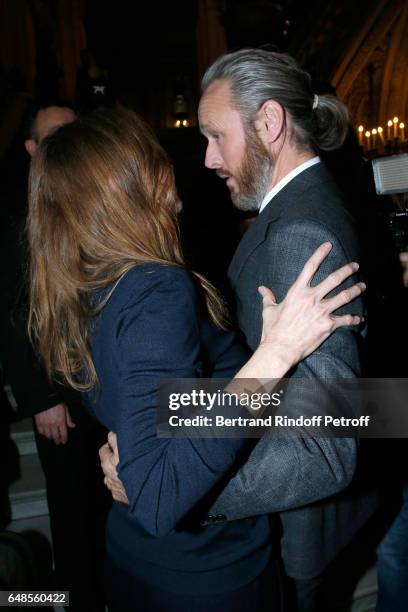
[254,177]
[251,198]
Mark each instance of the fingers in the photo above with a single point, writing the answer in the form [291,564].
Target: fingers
[268,297]
[50,434]
[108,462]
[52,423]
[313,263]
[70,422]
[268,302]
[336,278]
[44,431]
[118,493]
[346,321]
[345,297]
[56,433]
[113,443]
[62,434]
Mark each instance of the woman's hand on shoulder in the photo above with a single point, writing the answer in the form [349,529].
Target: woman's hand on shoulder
[305,319]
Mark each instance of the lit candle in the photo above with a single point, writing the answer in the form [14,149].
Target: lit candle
[395,122]
[360,134]
[402,128]
[389,125]
[381,133]
[374,133]
[368,135]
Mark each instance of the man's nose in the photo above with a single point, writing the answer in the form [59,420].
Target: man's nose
[213,159]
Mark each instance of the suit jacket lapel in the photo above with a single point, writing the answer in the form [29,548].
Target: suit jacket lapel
[253,237]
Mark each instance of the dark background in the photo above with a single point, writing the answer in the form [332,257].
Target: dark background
[153,52]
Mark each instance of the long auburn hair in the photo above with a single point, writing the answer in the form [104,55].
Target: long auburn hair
[102,199]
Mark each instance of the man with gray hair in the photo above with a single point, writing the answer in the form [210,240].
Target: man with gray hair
[264,127]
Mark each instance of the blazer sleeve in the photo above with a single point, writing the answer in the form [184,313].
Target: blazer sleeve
[288,472]
[158,337]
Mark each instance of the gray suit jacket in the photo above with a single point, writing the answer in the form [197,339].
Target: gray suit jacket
[291,475]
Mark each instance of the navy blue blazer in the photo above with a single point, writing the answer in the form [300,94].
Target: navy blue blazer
[154,326]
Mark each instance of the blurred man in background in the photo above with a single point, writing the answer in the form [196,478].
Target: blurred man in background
[67,436]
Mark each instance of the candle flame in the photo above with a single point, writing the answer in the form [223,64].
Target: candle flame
[360,128]
[395,120]
[389,123]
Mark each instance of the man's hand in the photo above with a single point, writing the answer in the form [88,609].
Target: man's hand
[109,457]
[54,422]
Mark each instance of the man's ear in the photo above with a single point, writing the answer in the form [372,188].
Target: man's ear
[269,122]
[30,146]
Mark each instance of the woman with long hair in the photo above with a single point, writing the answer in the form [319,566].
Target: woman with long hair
[113,309]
